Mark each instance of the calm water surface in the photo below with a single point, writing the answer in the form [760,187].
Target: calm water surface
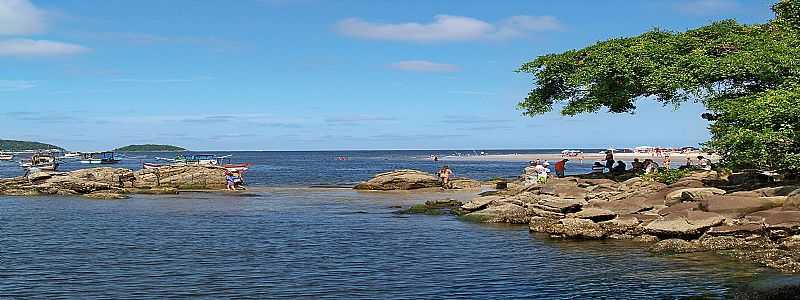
[292,243]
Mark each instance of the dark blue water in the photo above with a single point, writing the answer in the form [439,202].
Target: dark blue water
[323,243]
[317,243]
[310,168]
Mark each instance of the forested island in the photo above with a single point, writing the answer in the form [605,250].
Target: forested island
[150,148]
[12,145]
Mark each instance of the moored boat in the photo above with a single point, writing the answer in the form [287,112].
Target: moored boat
[41,161]
[98,158]
[6,156]
[151,165]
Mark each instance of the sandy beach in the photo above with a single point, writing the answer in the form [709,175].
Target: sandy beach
[677,158]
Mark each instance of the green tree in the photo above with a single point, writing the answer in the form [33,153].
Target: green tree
[747,76]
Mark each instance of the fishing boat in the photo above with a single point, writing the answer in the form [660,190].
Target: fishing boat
[72,154]
[151,166]
[6,156]
[98,158]
[41,161]
[241,168]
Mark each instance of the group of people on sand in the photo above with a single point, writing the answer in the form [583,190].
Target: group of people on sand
[538,171]
[617,167]
[234,180]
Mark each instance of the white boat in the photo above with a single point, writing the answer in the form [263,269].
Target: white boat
[72,154]
[6,156]
[96,158]
[41,161]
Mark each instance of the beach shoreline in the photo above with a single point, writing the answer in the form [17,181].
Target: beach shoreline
[676,158]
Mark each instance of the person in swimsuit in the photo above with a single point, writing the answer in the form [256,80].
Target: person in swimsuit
[445,174]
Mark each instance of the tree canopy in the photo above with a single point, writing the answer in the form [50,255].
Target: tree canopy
[747,76]
[150,148]
[12,145]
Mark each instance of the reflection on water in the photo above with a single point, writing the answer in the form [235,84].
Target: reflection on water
[324,243]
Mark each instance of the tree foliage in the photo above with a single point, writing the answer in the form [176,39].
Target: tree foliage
[748,76]
[150,148]
[12,145]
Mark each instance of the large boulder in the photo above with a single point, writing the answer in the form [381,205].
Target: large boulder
[736,207]
[503,213]
[686,224]
[201,177]
[400,180]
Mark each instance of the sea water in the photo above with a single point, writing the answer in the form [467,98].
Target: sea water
[285,240]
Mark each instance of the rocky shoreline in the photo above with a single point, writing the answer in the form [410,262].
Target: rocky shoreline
[116,183]
[739,215]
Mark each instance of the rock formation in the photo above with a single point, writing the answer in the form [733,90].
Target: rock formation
[412,180]
[114,183]
[702,212]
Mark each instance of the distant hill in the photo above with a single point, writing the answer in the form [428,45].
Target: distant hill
[11,145]
[150,148]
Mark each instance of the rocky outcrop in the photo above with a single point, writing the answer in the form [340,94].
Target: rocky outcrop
[702,212]
[412,180]
[114,183]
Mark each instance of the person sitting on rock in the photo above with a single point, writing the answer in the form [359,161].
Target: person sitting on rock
[637,165]
[238,180]
[444,175]
[609,160]
[620,168]
[704,163]
[650,166]
[230,181]
[529,173]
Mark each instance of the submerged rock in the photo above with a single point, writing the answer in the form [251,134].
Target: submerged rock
[503,213]
[436,207]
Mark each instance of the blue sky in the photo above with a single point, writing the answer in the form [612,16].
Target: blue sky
[321,75]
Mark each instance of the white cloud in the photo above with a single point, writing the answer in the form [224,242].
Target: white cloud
[15,85]
[28,47]
[20,17]
[447,28]
[423,66]
[707,7]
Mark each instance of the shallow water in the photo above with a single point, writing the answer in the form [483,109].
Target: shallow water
[317,243]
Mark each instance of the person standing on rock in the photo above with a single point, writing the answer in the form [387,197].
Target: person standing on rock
[561,167]
[444,175]
[541,173]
